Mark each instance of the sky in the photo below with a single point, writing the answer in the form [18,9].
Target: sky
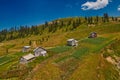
[34,12]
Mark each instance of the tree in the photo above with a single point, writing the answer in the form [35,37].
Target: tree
[113,19]
[30,42]
[106,17]
[79,20]
[74,25]
[116,19]
[90,20]
[97,19]
[69,23]
[86,19]
[7,47]
[46,24]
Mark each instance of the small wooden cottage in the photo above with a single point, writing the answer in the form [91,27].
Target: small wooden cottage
[93,35]
[72,42]
[39,51]
[26,49]
[27,58]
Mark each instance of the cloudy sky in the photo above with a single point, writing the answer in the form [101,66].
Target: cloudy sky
[33,12]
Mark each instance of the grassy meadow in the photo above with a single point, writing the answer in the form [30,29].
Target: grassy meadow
[84,62]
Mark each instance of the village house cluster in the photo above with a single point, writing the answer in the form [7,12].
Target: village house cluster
[39,51]
[73,42]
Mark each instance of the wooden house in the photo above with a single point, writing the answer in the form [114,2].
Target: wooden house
[72,42]
[27,58]
[26,49]
[92,35]
[39,51]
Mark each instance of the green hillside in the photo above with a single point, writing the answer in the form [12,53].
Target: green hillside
[93,58]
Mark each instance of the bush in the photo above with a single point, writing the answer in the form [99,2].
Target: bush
[105,55]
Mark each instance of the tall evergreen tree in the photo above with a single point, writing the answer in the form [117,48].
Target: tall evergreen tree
[106,17]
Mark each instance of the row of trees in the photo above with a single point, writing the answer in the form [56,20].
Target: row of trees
[20,32]
[97,19]
[71,23]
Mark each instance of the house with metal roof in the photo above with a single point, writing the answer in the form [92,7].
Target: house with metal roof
[26,49]
[27,58]
[72,42]
[39,51]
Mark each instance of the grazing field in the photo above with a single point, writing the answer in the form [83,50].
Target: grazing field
[5,59]
[95,41]
[79,53]
[61,49]
[87,61]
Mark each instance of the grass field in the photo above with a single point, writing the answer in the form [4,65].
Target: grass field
[5,59]
[61,49]
[84,62]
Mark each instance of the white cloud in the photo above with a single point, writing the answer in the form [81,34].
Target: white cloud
[99,4]
[119,8]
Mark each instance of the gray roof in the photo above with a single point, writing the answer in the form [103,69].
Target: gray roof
[93,33]
[28,57]
[26,46]
[39,48]
[72,40]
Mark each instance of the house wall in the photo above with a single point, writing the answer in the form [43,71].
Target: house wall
[92,35]
[37,53]
[44,53]
[22,60]
[25,50]
[40,53]
[71,43]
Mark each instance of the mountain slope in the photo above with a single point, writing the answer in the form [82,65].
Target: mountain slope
[87,61]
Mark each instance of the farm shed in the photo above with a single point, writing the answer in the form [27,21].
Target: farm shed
[26,49]
[27,58]
[72,42]
[93,35]
[39,51]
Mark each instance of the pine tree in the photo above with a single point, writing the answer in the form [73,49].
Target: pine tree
[106,17]
[46,24]
[30,42]
[97,19]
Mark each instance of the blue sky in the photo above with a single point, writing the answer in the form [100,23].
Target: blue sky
[34,12]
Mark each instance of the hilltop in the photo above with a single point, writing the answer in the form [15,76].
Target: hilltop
[93,58]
